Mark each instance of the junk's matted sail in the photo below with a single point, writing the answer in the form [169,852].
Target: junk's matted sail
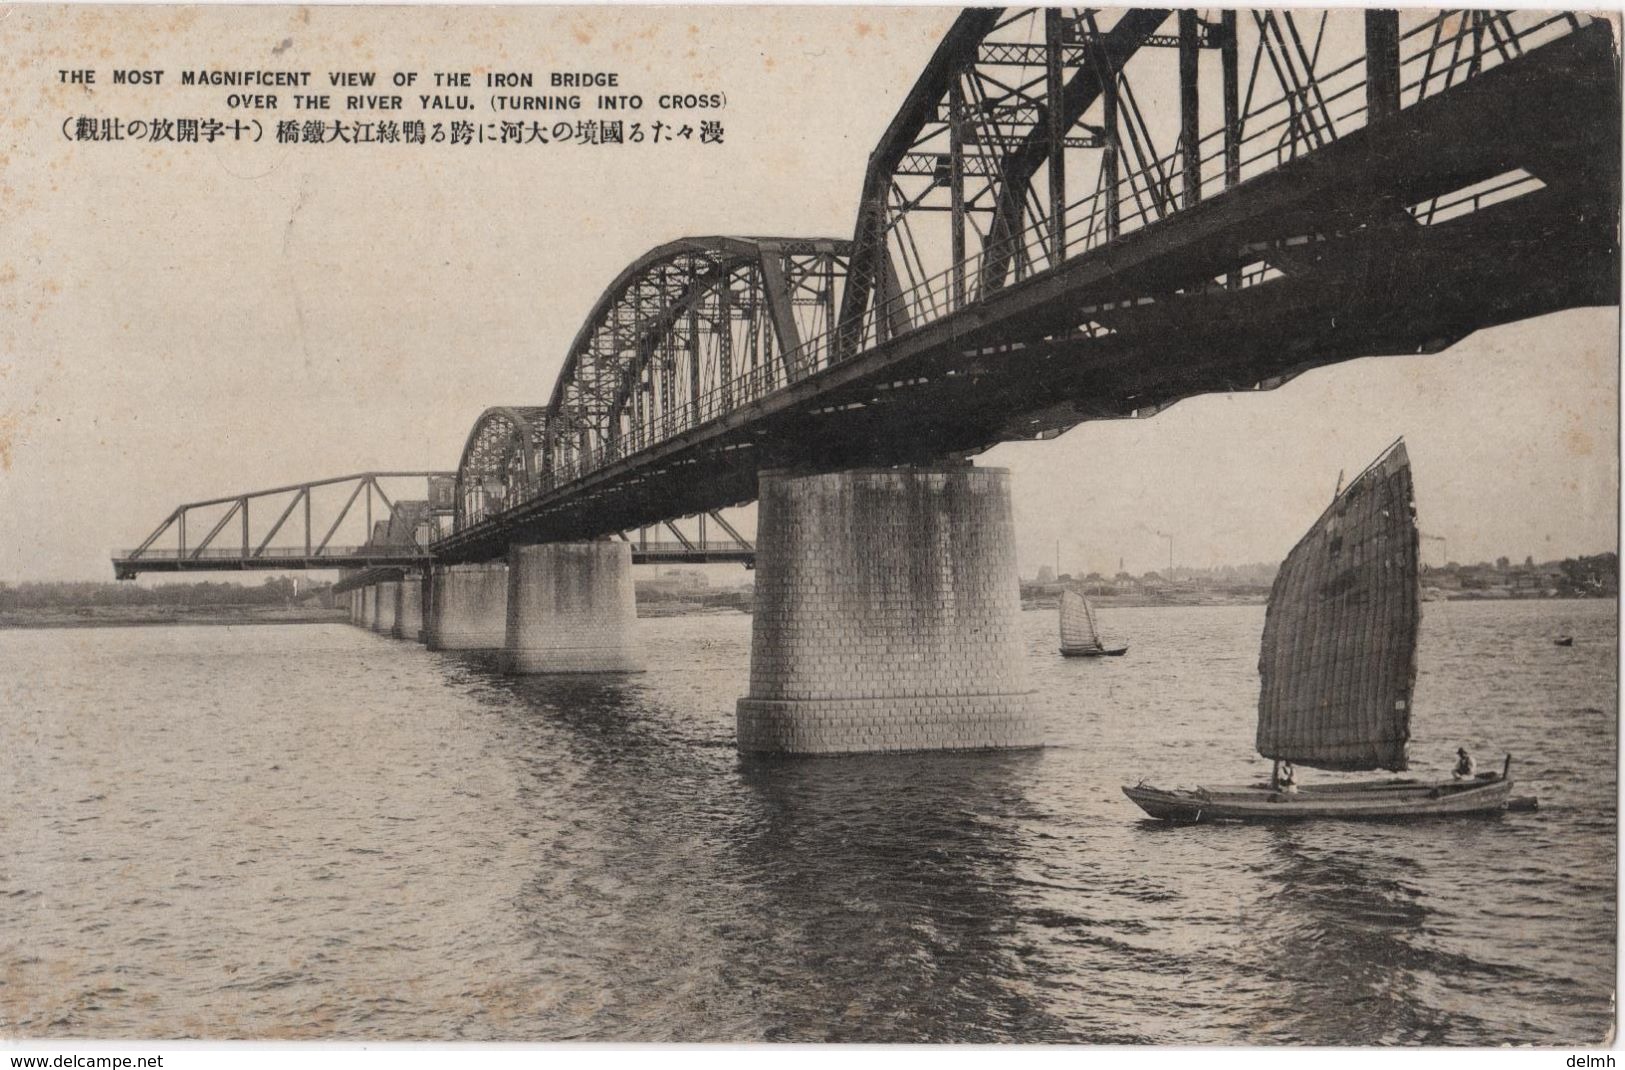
[1338,661]
[1078,631]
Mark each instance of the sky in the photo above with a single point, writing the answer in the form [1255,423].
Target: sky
[184,322]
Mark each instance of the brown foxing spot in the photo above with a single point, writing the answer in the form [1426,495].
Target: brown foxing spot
[1578,442]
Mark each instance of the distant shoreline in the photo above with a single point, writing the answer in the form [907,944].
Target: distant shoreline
[1198,600]
[1169,602]
[657,610]
[164,616]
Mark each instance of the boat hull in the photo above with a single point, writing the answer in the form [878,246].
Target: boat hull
[1387,800]
[1092,652]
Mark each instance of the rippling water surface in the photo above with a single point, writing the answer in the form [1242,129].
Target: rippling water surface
[308,831]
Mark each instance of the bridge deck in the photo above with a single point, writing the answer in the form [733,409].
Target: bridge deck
[128,563]
[392,559]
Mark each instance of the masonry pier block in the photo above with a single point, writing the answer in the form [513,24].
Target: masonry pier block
[425,582]
[388,600]
[408,608]
[571,608]
[468,607]
[887,615]
[369,605]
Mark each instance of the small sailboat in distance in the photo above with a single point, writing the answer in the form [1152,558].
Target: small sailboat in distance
[1337,667]
[1080,635]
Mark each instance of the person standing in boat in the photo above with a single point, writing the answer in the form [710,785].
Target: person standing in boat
[1465,769]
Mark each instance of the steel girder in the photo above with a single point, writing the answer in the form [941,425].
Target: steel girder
[1089,74]
[1004,97]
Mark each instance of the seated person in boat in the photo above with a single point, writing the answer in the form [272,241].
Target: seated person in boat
[1288,781]
[1465,769]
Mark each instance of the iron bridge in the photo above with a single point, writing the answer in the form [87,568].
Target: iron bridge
[1076,214]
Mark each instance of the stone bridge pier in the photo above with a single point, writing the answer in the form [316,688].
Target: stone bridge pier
[571,608]
[425,582]
[369,605]
[887,614]
[388,600]
[408,608]
[468,607]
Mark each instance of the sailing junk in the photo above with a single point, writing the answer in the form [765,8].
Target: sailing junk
[1080,635]
[1337,668]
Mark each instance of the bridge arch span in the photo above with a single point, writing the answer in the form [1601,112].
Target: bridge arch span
[686,333]
[500,462]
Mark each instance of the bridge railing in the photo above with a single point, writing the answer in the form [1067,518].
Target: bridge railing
[1435,55]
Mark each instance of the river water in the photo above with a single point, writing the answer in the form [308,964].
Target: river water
[312,831]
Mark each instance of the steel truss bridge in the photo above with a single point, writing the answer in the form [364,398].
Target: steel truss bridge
[398,541]
[399,536]
[1078,214]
